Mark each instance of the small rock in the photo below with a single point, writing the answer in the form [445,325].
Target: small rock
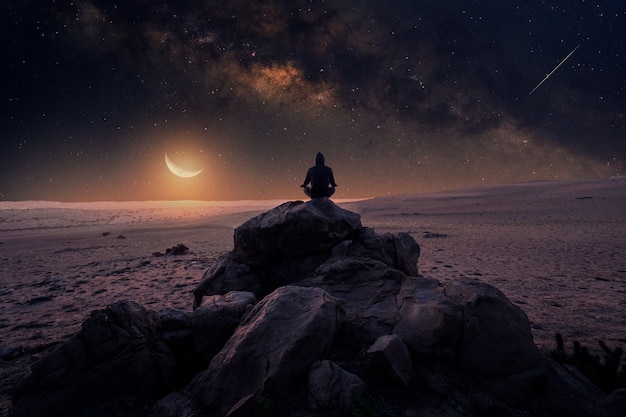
[332,388]
[390,357]
[179,249]
[10,353]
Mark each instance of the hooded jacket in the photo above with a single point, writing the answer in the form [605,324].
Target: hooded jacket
[320,176]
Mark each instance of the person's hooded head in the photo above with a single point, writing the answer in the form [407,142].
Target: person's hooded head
[319,159]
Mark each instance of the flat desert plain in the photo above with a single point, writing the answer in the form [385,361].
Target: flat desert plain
[557,249]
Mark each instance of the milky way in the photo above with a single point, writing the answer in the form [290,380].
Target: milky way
[401,96]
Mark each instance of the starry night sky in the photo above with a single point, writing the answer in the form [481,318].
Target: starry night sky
[401,96]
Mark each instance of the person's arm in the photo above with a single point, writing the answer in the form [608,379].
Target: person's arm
[307,180]
[332,177]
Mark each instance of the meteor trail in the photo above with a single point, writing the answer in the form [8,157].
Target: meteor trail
[555,68]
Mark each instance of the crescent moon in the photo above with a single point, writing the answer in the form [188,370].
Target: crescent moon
[180,171]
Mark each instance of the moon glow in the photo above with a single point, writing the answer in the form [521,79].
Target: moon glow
[179,170]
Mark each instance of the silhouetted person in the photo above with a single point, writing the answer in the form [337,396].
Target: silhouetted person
[321,178]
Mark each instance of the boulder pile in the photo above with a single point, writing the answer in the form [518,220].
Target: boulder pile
[311,314]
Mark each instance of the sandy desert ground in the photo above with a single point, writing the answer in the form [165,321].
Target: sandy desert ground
[556,249]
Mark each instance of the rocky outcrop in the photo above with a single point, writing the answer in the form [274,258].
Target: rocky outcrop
[286,245]
[314,314]
[117,358]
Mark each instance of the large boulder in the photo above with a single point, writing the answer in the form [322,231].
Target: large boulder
[427,321]
[271,351]
[496,338]
[367,289]
[486,333]
[399,251]
[476,328]
[117,361]
[496,344]
[292,230]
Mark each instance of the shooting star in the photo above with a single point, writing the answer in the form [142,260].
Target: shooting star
[555,68]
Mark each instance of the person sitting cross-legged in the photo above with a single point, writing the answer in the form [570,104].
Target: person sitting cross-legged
[321,179]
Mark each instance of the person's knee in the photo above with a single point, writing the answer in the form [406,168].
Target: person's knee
[307,191]
[331,191]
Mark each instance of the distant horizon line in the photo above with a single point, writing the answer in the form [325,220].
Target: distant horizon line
[343,200]
[103,204]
